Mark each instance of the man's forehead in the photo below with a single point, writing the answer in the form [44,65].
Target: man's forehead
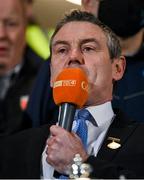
[79,29]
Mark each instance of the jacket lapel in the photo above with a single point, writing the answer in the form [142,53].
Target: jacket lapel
[120,129]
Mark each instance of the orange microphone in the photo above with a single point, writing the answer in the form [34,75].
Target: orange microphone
[70,91]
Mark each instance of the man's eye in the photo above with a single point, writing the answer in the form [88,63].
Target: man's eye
[11,23]
[87,49]
[62,50]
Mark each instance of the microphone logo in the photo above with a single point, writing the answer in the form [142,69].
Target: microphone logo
[65,83]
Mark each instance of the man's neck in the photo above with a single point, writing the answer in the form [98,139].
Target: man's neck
[131,46]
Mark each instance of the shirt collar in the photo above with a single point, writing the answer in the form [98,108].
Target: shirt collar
[103,114]
[15,70]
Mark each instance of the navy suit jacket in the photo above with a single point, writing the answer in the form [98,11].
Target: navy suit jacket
[129,92]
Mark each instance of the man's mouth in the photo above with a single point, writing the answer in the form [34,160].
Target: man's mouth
[3,51]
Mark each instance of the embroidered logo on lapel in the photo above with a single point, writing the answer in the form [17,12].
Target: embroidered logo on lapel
[114,144]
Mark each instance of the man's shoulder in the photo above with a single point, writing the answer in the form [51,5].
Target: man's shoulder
[122,119]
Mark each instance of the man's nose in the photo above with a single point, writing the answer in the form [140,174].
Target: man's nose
[76,57]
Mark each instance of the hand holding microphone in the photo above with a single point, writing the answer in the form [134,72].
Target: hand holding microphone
[70,92]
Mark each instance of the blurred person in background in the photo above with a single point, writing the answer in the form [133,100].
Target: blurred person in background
[126,19]
[18,66]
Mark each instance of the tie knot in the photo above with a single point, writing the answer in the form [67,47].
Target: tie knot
[84,114]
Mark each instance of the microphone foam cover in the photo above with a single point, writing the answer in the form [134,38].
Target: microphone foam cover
[71,86]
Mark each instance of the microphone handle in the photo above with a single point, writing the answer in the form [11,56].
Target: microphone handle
[66,116]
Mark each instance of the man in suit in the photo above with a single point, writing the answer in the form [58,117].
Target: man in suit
[18,66]
[114,145]
[78,44]
[82,41]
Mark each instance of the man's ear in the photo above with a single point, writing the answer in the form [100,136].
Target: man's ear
[91,6]
[118,68]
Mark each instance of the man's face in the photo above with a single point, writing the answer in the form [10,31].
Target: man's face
[12,34]
[84,45]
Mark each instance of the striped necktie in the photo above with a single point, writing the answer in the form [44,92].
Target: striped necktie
[81,127]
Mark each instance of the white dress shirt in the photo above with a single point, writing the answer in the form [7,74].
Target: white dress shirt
[103,115]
